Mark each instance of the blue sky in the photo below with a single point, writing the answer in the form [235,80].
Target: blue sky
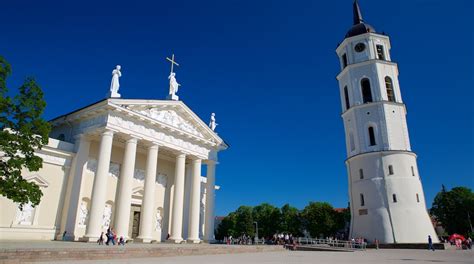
[267,68]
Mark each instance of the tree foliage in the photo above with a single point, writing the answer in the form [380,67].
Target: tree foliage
[317,218]
[454,209]
[22,131]
[320,219]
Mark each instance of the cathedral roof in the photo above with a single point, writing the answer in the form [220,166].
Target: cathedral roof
[359,27]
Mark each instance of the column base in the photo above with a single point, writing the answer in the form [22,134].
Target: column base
[194,240]
[143,239]
[175,240]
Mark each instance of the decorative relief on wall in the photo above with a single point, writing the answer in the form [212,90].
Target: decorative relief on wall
[171,118]
[107,216]
[159,219]
[114,168]
[25,216]
[141,129]
[83,214]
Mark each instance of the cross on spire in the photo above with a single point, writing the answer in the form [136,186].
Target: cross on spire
[173,62]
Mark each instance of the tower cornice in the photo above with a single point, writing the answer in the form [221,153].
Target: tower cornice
[355,107]
[362,36]
[363,63]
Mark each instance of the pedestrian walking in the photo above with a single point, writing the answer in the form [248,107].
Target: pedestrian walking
[430,243]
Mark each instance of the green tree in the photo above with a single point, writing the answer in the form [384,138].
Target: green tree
[227,227]
[22,131]
[268,218]
[244,221]
[454,209]
[290,220]
[320,219]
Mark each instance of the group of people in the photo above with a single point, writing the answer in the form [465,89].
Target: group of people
[243,240]
[282,239]
[111,238]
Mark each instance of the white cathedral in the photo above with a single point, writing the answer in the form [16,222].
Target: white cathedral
[386,196]
[133,165]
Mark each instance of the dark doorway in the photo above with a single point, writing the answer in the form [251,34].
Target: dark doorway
[135,224]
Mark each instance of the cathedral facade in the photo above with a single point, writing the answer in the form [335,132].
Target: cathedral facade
[131,165]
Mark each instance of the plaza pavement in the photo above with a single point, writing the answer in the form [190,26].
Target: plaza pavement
[408,256]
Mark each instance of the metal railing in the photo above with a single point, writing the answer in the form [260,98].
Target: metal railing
[334,243]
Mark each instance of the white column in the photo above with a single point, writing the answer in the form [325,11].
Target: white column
[123,196]
[94,227]
[210,195]
[178,197]
[148,208]
[74,185]
[194,203]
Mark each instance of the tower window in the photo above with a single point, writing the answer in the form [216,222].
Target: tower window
[372,137]
[380,52]
[366,91]
[394,197]
[346,98]
[351,141]
[417,198]
[389,87]
[361,173]
[390,170]
[362,202]
[412,171]
[344,60]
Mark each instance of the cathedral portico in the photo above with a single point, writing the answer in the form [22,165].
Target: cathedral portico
[133,164]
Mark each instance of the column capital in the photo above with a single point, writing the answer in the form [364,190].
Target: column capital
[152,144]
[108,132]
[211,162]
[196,160]
[181,155]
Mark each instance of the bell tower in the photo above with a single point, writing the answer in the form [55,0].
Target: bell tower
[386,194]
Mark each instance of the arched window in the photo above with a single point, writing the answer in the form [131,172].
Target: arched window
[412,171]
[362,202]
[361,174]
[389,87]
[417,198]
[394,197]
[346,98]
[372,137]
[366,91]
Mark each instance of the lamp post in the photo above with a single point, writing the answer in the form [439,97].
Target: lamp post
[256,232]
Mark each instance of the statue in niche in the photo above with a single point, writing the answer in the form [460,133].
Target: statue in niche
[83,213]
[159,219]
[25,216]
[114,85]
[212,123]
[107,216]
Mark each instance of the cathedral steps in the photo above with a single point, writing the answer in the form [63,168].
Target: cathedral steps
[95,252]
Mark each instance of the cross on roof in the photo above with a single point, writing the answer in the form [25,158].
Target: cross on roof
[173,62]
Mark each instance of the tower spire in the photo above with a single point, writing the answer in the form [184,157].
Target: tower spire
[357,14]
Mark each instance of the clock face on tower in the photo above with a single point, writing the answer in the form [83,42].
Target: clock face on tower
[359,47]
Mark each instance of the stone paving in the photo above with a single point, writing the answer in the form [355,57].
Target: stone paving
[407,256]
[205,253]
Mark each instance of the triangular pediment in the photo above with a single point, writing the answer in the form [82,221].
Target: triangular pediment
[171,113]
[38,180]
